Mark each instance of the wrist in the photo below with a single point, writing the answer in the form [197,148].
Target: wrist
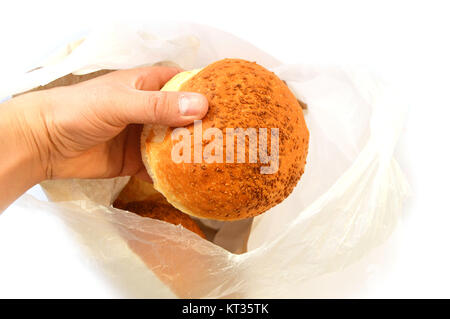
[21,166]
[27,140]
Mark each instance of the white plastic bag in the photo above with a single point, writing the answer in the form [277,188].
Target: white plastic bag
[347,202]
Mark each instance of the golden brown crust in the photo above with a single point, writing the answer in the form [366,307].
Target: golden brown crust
[164,212]
[141,198]
[241,94]
[138,190]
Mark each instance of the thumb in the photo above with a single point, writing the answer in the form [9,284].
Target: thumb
[160,107]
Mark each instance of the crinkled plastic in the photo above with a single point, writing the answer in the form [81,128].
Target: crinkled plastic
[348,201]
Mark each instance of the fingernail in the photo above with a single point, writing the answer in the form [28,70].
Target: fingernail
[191,104]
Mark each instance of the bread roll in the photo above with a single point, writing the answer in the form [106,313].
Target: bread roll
[241,94]
[137,190]
[141,198]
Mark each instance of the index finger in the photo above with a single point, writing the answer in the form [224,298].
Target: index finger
[151,78]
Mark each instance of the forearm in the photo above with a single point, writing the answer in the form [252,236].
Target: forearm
[84,131]
[20,162]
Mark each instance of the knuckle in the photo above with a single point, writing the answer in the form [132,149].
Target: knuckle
[158,107]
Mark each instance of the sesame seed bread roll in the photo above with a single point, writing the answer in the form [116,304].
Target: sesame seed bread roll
[137,190]
[141,198]
[164,212]
[244,95]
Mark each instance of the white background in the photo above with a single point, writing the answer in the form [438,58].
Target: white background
[407,43]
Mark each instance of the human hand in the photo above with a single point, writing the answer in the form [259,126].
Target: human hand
[91,129]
